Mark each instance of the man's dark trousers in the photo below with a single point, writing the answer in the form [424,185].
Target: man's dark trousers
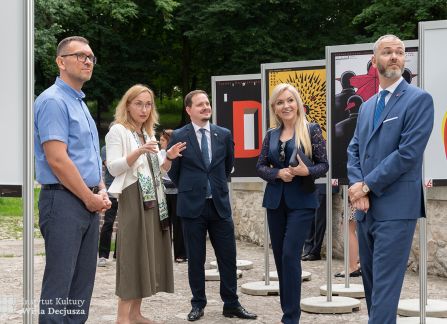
[70,232]
[105,238]
[221,233]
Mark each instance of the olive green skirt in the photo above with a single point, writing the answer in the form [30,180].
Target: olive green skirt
[143,258]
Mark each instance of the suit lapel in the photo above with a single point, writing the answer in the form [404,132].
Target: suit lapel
[195,144]
[214,134]
[274,140]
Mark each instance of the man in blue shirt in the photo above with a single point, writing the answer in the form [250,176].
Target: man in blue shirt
[68,167]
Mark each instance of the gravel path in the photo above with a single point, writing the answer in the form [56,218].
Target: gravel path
[173,308]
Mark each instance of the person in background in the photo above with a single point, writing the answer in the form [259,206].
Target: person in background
[385,177]
[171,199]
[144,261]
[290,197]
[354,266]
[105,237]
[68,167]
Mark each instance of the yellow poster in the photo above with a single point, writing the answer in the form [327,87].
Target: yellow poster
[311,84]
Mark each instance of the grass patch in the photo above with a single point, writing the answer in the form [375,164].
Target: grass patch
[11,217]
[11,206]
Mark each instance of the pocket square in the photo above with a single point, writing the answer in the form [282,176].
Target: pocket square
[390,119]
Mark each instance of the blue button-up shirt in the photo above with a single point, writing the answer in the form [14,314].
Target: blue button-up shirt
[60,114]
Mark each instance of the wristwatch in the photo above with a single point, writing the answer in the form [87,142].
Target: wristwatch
[365,188]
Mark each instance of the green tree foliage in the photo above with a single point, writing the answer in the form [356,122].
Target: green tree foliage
[399,17]
[175,46]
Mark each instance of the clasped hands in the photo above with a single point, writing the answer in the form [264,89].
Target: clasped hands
[287,174]
[359,199]
[98,202]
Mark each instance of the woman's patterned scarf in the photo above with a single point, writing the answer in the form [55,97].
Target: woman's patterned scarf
[152,188]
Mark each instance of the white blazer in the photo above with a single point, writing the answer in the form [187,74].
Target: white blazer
[120,142]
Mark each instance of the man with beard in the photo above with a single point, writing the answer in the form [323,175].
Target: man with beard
[203,203]
[385,175]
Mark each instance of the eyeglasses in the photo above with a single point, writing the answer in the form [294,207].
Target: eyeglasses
[282,153]
[142,105]
[81,57]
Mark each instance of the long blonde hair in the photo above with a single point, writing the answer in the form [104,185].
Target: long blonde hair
[122,116]
[302,137]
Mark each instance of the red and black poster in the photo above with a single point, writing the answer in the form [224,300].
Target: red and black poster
[237,106]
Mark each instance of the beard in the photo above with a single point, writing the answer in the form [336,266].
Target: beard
[389,73]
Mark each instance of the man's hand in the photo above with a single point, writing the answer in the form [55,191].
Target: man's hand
[97,203]
[356,191]
[106,199]
[361,204]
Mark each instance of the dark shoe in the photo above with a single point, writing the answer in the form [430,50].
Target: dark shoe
[195,314]
[311,257]
[355,273]
[238,312]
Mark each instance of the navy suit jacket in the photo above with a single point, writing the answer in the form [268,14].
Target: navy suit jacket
[389,158]
[296,196]
[190,175]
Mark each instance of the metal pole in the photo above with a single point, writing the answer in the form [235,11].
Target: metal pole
[266,250]
[346,213]
[422,270]
[329,238]
[28,171]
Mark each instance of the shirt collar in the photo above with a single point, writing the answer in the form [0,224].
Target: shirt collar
[392,87]
[196,128]
[69,90]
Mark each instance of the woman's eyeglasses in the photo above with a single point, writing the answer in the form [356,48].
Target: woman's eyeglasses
[282,153]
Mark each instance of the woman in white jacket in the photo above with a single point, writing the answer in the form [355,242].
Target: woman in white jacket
[144,261]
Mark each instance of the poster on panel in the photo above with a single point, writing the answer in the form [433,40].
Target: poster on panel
[237,106]
[12,90]
[432,36]
[309,77]
[352,81]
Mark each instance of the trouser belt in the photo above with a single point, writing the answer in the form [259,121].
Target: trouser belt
[58,186]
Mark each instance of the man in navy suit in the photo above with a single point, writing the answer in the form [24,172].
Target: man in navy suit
[203,203]
[385,175]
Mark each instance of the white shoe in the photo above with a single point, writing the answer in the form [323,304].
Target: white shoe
[102,262]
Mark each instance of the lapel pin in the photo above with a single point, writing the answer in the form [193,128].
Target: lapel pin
[215,134]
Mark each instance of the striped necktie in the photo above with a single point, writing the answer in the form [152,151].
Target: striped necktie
[380,106]
[206,158]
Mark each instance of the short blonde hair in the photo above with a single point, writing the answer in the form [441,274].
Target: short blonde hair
[302,137]
[122,115]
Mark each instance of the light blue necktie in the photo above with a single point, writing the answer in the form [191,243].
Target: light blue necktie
[206,158]
[380,106]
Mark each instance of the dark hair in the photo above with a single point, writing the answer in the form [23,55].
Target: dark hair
[188,97]
[166,133]
[66,41]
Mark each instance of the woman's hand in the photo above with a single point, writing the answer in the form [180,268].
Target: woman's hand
[149,147]
[301,169]
[174,151]
[285,175]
